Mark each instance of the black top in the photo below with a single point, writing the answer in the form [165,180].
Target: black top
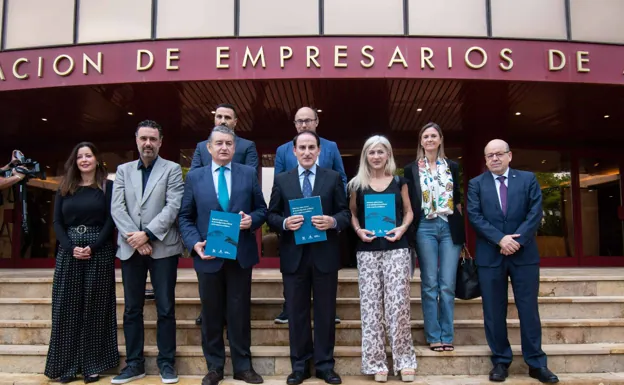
[145,172]
[87,206]
[380,243]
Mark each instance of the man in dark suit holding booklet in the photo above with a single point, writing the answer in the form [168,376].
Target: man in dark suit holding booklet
[218,199]
[310,255]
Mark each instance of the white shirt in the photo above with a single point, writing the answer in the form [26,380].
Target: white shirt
[228,176]
[497,183]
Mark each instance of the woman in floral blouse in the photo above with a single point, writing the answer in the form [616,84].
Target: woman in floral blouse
[435,196]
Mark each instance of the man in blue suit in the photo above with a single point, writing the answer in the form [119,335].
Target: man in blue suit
[505,209]
[225,115]
[307,119]
[245,150]
[224,284]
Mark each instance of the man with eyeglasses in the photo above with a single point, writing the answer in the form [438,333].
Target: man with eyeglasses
[506,247]
[307,119]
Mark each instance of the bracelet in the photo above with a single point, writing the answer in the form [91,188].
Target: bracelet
[358,229]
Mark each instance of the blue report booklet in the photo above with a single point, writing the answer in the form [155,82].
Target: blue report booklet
[379,213]
[222,237]
[308,207]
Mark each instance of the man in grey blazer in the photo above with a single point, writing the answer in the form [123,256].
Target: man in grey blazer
[146,199]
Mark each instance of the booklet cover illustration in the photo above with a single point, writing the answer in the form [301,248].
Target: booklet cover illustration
[222,237]
[379,213]
[308,207]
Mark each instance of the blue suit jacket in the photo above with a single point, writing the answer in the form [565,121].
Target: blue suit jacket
[285,159]
[524,214]
[200,198]
[244,153]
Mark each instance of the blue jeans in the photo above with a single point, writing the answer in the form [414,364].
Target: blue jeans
[438,257]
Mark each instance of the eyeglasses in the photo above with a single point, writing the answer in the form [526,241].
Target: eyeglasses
[496,154]
[300,122]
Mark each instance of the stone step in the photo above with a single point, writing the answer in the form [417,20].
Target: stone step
[348,333]
[514,379]
[274,360]
[347,308]
[267,283]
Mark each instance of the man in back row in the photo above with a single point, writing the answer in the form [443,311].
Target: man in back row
[307,119]
[244,150]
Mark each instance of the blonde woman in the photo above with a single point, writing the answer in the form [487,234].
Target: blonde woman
[383,266]
[435,196]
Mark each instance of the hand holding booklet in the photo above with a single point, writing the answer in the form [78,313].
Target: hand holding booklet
[379,213]
[307,207]
[222,237]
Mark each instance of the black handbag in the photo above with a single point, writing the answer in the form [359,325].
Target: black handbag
[467,281]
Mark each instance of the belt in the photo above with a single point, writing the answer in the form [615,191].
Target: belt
[82,229]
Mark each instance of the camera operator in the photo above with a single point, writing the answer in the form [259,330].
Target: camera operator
[16,177]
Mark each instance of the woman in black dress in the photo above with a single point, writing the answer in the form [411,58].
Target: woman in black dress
[84,322]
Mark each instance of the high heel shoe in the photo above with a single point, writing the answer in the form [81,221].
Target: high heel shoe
[408,375]
[381,377]
[92,378]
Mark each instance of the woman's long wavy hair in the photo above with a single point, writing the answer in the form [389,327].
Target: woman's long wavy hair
[73,178]
[363,177]
[420,152]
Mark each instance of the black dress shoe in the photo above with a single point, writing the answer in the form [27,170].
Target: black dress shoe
[90,379]
[296,378]
[249,376]
[329,376]
[543,375]
[213,377]
[67,379]
[499,373]
[198,320]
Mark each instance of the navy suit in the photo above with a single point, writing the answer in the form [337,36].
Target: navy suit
[285,159]
[244,153]
[310,268]
[224,285]
[524,214]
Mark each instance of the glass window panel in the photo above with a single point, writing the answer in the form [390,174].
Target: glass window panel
[555,236]
[601,198]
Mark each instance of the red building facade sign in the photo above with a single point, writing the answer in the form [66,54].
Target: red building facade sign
[318,57]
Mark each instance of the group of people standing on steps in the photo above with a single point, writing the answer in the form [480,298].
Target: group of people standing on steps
[157,214]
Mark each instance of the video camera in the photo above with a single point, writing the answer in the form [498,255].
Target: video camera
[30,169]
[27,167]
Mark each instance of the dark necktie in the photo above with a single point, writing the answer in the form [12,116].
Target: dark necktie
[307,186]
[503,193]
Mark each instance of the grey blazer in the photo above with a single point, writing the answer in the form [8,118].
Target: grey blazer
[157,208]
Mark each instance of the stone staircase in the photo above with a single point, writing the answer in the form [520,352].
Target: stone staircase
[582,314]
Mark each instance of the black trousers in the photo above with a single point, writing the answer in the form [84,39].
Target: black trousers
[525,285]
[298,289]
[226,292]
[163,275]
